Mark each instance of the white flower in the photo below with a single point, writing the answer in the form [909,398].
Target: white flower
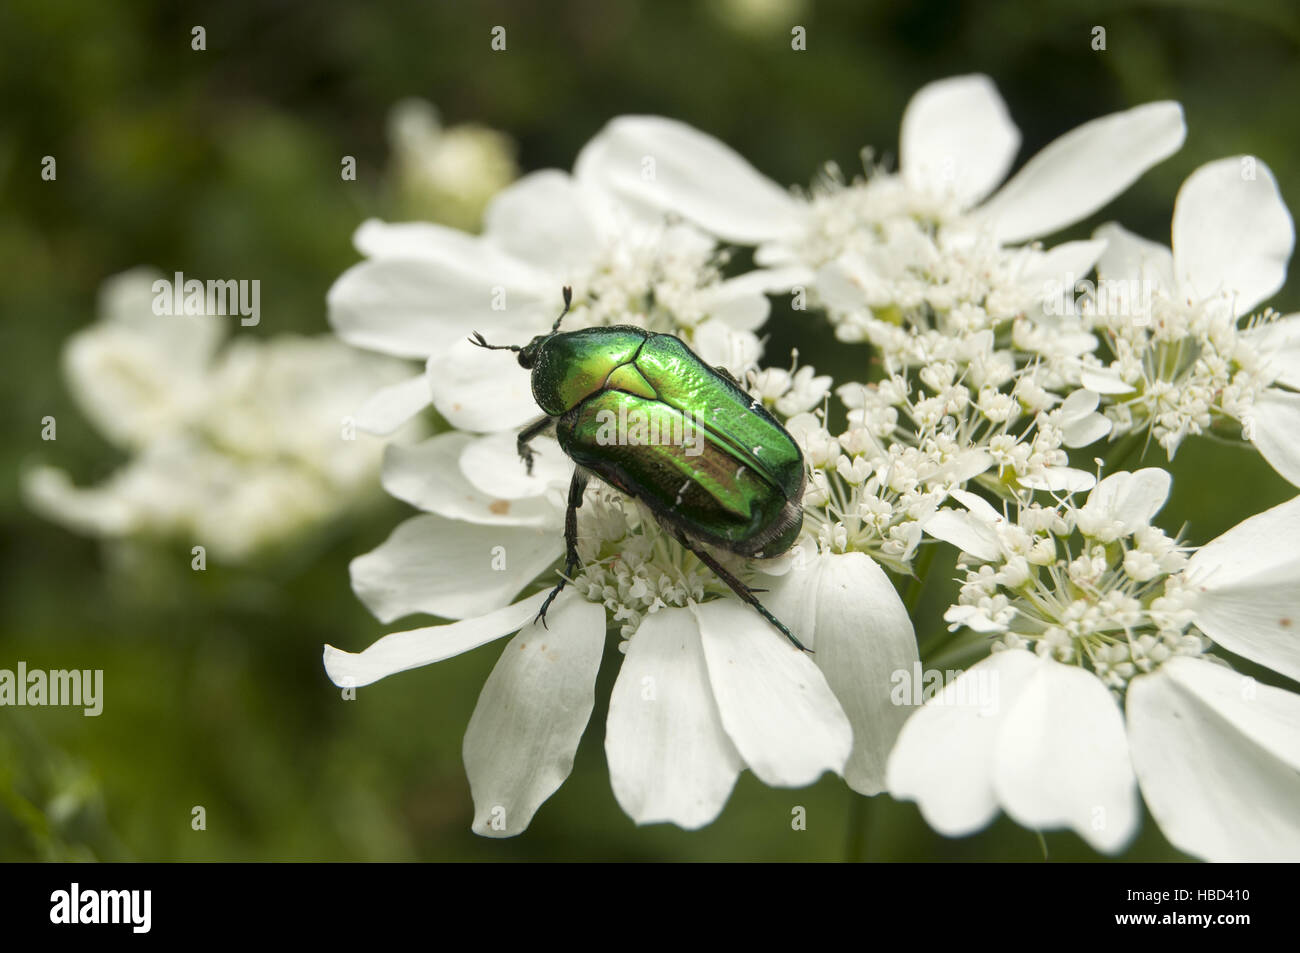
[707,687]
[957,143]
[1120,691]
[790,392]
[914,264]
[424,287]
[900,246]
[447,175]
[1172,317]
[420,292]
[233,450]
[704,691]
[1081,425]
[1051,752]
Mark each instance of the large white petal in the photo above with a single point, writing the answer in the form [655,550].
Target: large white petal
[669,757]
[1060,267]
[481,390]
[1218,758]
[428,475]
[741,302]
[492,464]
[551,221]
[521,740]
[400,651]
[1062,759]
[1269,717]
[944,756]
[418,304]
[1274,422]
[844,607]
[448,568]
[378,239]
[957,138]
[394,405]
[1128,256]
[1081,171]
[1231,233]
[774,702]
[1278,343]
[669,166]
[1246,585]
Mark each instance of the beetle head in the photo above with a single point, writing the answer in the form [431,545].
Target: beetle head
[528,353]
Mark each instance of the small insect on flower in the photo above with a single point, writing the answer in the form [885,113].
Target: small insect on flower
[707,459]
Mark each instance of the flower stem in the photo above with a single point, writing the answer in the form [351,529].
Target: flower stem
[1121,451]
[855,846]
[920,570]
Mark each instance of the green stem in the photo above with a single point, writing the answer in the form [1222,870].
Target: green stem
[920,571]
[960,652]
[855,847]
[1121,451]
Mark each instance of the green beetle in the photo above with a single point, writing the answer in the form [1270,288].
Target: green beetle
[706,458]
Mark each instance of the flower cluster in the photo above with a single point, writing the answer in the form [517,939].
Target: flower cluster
[445,174]
[1094,585]
[980,373]
[1110,676]
[1183,354]
[234,448]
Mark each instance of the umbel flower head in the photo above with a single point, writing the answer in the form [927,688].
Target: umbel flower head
[1104,677]
[1186,355]
[445,174]
[1103,628]
[920,242]
[237,448]
[707,687]
[980,379]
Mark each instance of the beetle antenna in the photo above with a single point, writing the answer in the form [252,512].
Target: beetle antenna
[568,300]
[481,342]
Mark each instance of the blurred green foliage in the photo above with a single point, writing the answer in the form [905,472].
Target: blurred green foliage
[226,162]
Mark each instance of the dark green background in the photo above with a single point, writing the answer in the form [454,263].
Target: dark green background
[226,162]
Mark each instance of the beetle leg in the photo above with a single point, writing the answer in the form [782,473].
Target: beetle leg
[577,486]
[527,453]
[727,374]
[745,593]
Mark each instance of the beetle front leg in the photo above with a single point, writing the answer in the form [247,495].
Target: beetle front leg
[527,453]
[577,487]
[728,375]
[745,593]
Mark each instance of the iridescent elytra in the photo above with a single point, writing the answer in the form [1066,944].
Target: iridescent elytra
[712,465]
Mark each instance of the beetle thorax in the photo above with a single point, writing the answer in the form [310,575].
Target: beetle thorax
[570,366]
